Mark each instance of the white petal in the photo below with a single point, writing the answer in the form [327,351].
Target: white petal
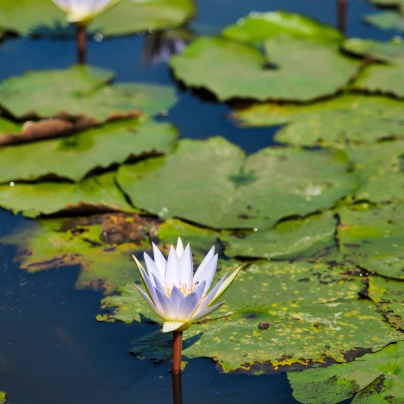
[187,307]
[205,261]
[152,292]
[168,307]
[209,298]
[180,248]
[173,269]
[149,302]
[225,285]
[152,268]
[187,267]
[157,283]
[159,260]
[170,326]
[208,273]
[176,297]
[201,314]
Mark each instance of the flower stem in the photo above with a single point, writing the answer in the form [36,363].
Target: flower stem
[177,388]
[81,44]
[177,352]
[342,11]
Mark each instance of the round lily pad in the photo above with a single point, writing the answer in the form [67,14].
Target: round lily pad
[373,238]
[373,378]
[377,164]
[387,20]
[258,27]
[230,190]
[290,239]
[278,316]
[80,91]
[45,198]
[293,69]
[346,119]
[25,17]
[98,148]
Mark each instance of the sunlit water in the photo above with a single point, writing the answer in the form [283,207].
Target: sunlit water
[51,348]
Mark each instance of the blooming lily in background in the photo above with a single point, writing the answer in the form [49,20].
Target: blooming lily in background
[81,13]
[177,294]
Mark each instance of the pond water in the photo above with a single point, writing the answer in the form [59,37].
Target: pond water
[51,348]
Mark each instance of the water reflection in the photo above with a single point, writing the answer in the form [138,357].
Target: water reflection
[177,388]
[160,46]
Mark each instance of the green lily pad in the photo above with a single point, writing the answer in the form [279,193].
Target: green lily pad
[257,27]
[350,118]
[7,127]
[44,18]
[278,316]
[45,198]
[387,20]
[102,245]
[373,378]
[300,70]
[392,51]
[377,164]
[80,91]
[373,238]
[97,148]
[230,190]
[290,239]
[387,3]
[2,398]
[388,294]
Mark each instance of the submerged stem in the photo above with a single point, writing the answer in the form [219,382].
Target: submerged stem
[177,352]
[342,11]
[81,43]
[177,388]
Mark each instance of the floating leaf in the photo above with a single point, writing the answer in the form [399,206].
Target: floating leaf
[377,164]
[282,316]
[388,294]
[373,378]
[80,91]
[299,70]
[290,239]
[96,148]
[7,126]
[386,20]
[258,27]
[45,198]
[44,18]
[373,238]
[230,190]
[2,398]
[350,118]
[392,51]
[102,245]
[387,3]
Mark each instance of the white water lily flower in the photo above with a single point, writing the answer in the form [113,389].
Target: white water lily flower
[83,11]
[177,294]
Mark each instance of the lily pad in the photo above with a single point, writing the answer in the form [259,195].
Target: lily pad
[97,148]
[80,91]
[392,51]
[230,190]
[373,238]
[2,398]
[387,3]
[45,198]
[7,127]
[293,69]
[44,18]
[278,316]
[290,239]
[387,20]
[350,118]
[373,378]
[377,164]
[388,294]
[257,27]
[102,245]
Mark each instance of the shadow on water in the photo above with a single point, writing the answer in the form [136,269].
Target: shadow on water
[51,348]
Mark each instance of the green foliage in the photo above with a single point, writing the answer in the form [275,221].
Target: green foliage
[281,183]
[373,378]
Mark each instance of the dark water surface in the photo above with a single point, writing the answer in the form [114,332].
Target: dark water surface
[51,348]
